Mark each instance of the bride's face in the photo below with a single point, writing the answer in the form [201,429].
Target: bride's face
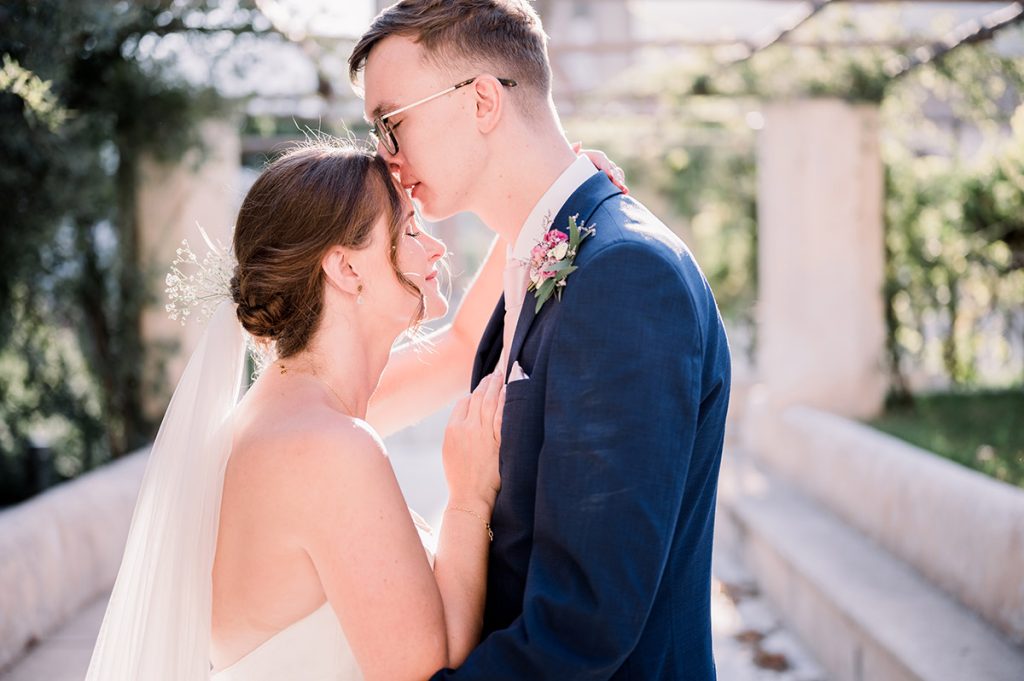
[417,255]
[419,259]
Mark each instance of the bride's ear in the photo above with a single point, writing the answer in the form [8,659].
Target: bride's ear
[340,271]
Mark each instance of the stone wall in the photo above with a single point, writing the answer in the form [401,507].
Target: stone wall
[821,256]
[62,549]
[960,529]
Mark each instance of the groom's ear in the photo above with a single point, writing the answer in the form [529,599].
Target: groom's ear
[339,270]
[490,103]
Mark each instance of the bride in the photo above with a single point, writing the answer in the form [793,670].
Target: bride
[270,538]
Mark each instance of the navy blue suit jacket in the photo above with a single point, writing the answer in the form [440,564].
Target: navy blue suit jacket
[601,562]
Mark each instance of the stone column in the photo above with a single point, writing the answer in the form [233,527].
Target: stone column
[821,325]
[172,199]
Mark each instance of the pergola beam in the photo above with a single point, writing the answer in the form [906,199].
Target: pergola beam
[687,42]
[851,2]
[811,8]
[711,43]
[786,26]
[968,33]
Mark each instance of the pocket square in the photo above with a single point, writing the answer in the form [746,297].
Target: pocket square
[517,373]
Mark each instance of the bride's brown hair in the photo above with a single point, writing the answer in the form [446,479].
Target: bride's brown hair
[314,197]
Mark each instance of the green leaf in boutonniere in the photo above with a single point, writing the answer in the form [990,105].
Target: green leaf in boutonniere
[574,234]
[544,292]
[551,260]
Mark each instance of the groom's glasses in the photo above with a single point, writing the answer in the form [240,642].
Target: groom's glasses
[383,134]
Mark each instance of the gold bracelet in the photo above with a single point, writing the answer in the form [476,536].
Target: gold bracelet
[490,532]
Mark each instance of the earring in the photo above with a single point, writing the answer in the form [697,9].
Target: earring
[359,300]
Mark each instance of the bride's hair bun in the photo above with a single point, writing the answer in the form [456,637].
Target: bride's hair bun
[314,197]
[259,318]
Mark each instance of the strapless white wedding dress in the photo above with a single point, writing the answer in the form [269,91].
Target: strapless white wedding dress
[312,649]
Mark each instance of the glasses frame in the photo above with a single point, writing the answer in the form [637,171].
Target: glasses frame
[384,135]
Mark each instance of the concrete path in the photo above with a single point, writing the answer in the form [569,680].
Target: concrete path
[750,643]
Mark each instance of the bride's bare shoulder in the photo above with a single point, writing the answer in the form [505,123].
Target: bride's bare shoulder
[312,445]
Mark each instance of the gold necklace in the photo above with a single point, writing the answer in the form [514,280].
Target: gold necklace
[350,412]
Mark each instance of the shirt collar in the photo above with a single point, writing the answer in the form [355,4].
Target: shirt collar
[539,220]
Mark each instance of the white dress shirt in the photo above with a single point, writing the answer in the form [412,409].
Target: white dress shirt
[538,222]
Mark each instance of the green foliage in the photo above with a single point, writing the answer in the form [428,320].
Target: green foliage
[994,199]
[699,162]
[48,398]
[39,101]
[80,104]
[715,187]
[945,277]
[955,221]
[982,431]
[954,215]
[789,72]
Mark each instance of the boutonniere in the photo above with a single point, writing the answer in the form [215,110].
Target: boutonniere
[551,260]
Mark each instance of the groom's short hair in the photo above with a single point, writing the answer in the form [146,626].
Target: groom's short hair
[501,36]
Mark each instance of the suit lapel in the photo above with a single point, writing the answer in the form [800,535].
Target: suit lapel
[583,202]
[526,316]
[489,349]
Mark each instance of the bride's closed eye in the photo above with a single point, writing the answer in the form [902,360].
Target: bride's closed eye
[413,228]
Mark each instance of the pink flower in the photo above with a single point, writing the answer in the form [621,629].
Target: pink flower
[551,260]
[554,237]
[539,274]
[538,254]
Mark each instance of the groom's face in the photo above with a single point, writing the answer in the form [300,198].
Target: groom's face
[438,149]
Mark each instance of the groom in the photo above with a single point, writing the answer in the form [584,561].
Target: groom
[617,389]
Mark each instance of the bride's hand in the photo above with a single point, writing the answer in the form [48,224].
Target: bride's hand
[471,443]
[604,164]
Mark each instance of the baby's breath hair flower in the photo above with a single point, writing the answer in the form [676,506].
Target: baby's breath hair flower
[196,295]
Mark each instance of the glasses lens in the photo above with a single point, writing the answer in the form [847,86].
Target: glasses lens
[383,136]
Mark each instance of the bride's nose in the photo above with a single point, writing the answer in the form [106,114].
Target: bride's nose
[437,249]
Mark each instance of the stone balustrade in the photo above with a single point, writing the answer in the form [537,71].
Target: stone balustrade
[960,529]
[61,549]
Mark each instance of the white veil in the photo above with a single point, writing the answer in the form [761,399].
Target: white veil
[157,624]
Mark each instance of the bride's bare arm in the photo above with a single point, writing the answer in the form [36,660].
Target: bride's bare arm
[354,524]
[470,455]
[419,380]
